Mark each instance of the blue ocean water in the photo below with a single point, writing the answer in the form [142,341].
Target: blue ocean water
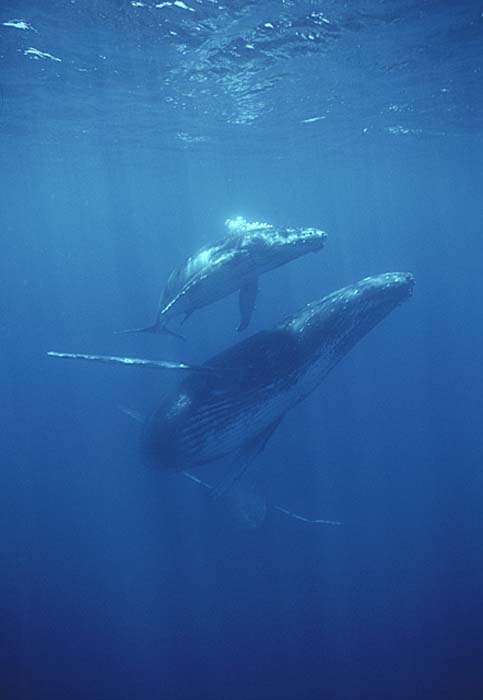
[129,132]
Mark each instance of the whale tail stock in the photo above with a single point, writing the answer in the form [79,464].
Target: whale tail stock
[155,327]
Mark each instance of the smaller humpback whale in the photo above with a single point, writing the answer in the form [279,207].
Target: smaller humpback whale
[229,265]
[230,407]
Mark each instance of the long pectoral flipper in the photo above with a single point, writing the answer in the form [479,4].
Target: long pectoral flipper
[134,362]
[247,299]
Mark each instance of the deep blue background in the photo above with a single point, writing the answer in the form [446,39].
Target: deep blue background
[118,582]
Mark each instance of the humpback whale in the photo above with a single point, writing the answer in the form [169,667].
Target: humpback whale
[231,264]
[229,407]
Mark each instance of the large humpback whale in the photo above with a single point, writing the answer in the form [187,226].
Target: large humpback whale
[226,266]
[229,407]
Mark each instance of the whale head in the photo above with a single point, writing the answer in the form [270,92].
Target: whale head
[279,243]
[292,242]
[334,324]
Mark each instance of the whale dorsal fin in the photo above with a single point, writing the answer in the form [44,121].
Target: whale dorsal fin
[247,299]
[135,362]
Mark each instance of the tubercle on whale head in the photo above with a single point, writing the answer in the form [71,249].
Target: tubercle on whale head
[340,319]
[290,243]
[307,235]
[394,286]
[388,286]
[305,239]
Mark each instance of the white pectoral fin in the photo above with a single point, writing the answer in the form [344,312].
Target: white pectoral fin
[247,299]
[133,362]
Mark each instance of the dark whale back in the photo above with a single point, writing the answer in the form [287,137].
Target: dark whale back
[257,368]
[257,362]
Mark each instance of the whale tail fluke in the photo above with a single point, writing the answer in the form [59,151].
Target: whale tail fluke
[155,327]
